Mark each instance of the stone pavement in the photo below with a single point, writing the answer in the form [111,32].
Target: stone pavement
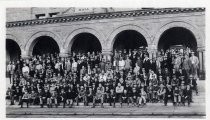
[196,110]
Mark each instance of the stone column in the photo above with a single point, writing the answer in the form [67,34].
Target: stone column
[152,51]
[64,53]
[201,58]
[107,54]
[25,55]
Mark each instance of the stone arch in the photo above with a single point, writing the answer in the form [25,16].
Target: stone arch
[32,41]
[13,48]
[198,36]
[14,38]
[143,32]
[70,38]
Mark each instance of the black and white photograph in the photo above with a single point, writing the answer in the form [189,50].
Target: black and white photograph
[105,62]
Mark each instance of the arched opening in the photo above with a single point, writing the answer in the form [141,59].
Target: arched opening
[45,45]
[129,39]
[177,36]
[86,42]
[13,51]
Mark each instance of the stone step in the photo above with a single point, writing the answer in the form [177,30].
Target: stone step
[81,105]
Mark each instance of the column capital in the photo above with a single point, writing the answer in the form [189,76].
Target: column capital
[200,49]
[25,55]
[106,52]
[64,55]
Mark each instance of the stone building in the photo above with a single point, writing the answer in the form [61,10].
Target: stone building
[40,30]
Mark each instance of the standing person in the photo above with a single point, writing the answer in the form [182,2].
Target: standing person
[194,65]
[25,70]
[11,70]
[146,63]
[74,65]
[177,62]
[121,64]
[102,65]
[186,65]
[127,64]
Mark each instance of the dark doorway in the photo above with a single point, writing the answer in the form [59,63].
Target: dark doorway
[129,39]
[45,45]
[177,36]
[86,42]
[13,51]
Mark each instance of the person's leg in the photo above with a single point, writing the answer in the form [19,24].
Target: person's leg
[56,102]
[71,103]
[48,102]
[27,102]
[77,100]
[94,100]
[41,102]
[64,103]
[166,101]
[19,99]
[179,100]
[188,100]
[102,101]
[175,100]
[110,101]
[196,89]
[114,101]
[21,103]
[120,99]
[139,101]
[144,99]
[12,100]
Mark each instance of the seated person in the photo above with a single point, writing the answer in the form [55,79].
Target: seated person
[99,95]
[81,96]
[161,93]
[25,98]
[142,98]
[112,97]
[119,92]
[125,97]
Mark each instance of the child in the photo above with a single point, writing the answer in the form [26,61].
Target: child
[142,97]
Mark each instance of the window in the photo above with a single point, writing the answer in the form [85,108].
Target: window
[40,16]
[53,14]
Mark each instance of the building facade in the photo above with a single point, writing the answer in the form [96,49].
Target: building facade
[68,29]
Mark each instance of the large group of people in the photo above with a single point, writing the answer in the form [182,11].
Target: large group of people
[129,77]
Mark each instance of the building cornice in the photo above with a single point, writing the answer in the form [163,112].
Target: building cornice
[99,16]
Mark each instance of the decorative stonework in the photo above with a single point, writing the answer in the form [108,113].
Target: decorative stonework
[99,16]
